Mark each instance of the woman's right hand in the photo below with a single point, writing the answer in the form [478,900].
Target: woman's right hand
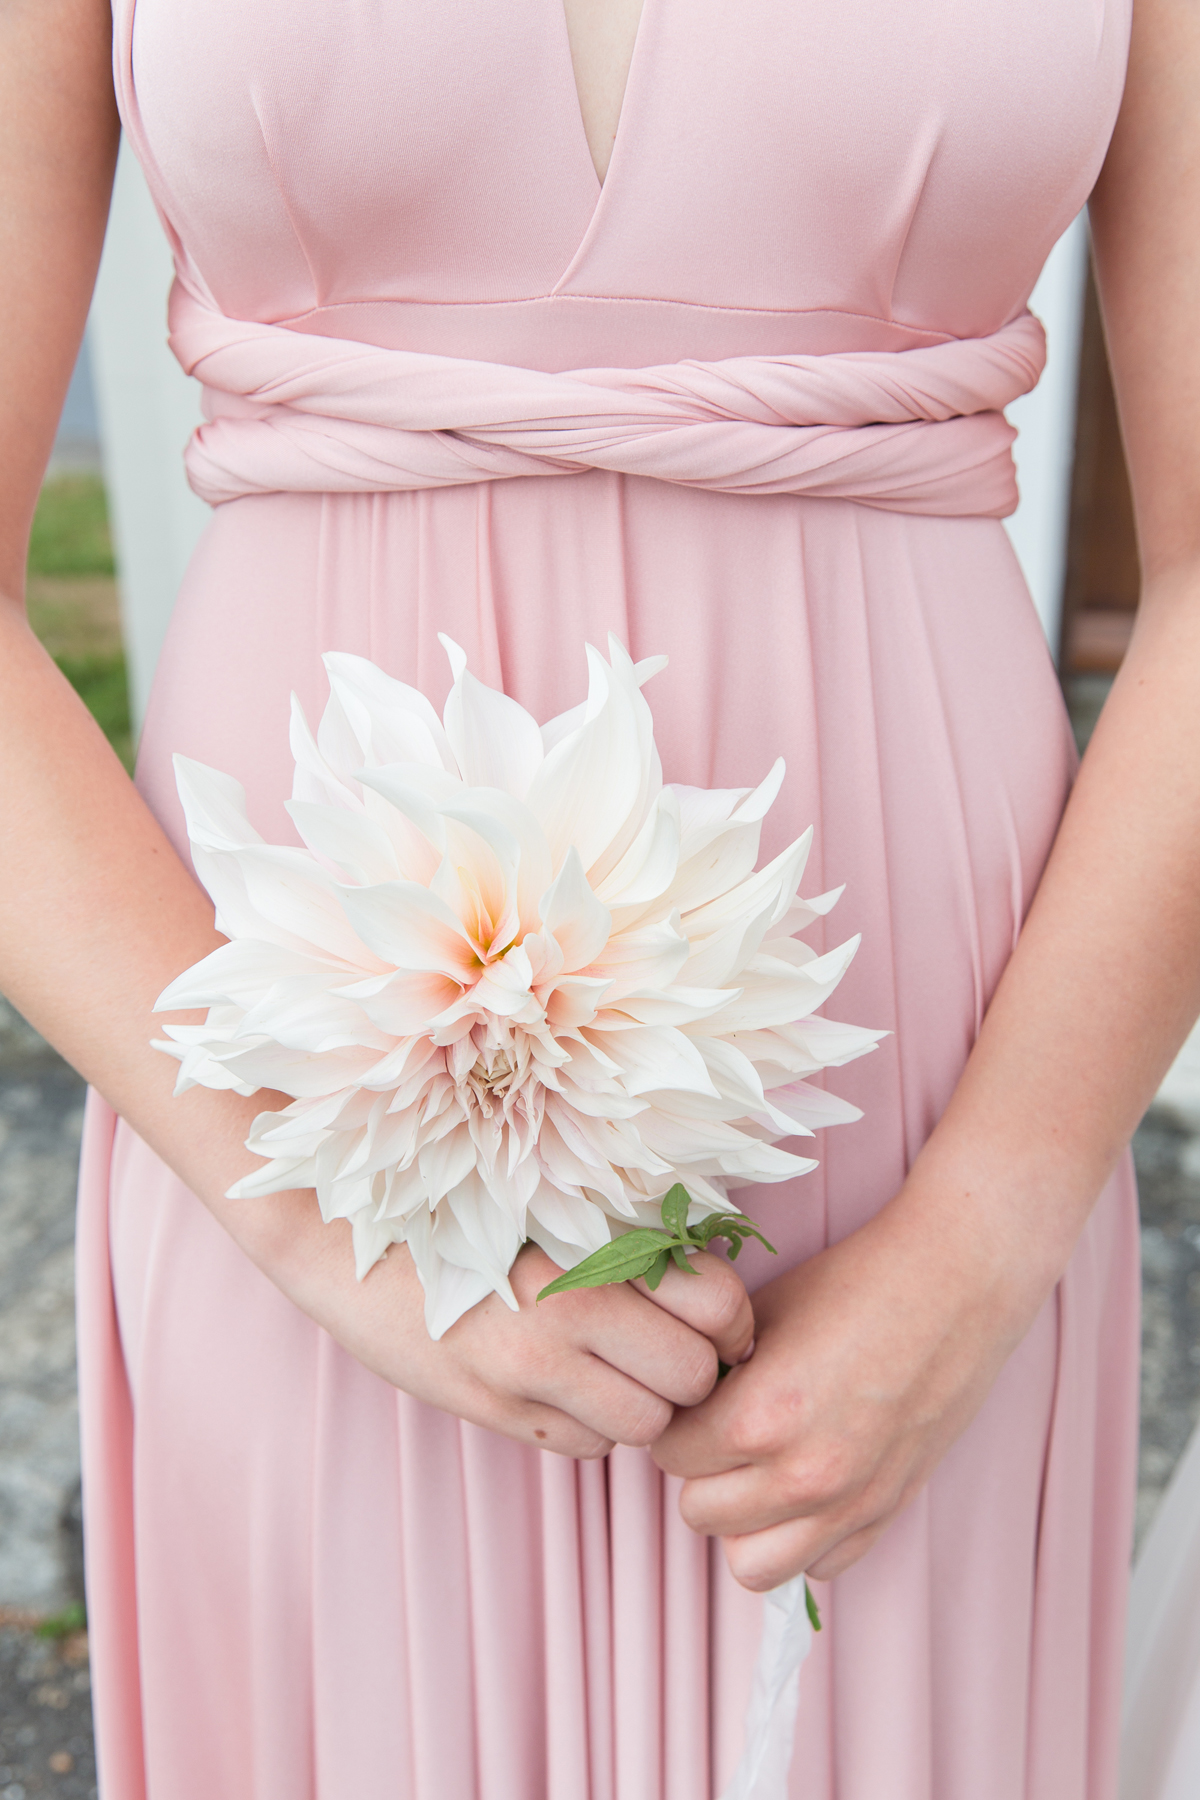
[582,1371]
[98,913]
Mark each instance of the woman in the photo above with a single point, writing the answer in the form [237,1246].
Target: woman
[327,1556]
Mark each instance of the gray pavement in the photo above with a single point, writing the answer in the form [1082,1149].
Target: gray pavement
[41,1112]
[45,1714]
[1168,1167]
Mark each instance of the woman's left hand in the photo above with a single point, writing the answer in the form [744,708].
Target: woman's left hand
[872,1357]
[869,1360]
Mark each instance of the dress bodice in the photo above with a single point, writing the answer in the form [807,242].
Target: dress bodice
[786,177]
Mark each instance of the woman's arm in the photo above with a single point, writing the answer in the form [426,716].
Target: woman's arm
[874,1356]
[97,913]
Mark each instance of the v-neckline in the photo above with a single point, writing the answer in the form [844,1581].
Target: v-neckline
[602,182]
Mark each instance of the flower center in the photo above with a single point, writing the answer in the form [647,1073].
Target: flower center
[492,1073]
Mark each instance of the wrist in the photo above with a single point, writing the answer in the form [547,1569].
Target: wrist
[1004,1225]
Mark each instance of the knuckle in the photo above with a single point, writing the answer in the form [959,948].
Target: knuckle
[834,1472]
[695,1373]
[754,1431]
[645,1422]
[819,1481]
[727,1303]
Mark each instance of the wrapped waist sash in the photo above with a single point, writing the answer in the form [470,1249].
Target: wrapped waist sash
[918,431]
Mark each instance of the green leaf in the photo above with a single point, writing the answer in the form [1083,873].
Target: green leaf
[627,1257]
[810,1606]
[657,1270]
[646,1251]
[735,1227]
[676,1204]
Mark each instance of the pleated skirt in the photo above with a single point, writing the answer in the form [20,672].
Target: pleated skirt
[307,1586]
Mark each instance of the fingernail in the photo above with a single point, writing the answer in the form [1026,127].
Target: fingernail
[747,1353]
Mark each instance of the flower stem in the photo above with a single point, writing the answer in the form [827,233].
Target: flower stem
[647,1252]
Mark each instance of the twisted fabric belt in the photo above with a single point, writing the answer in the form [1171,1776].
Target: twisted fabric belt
[917,431]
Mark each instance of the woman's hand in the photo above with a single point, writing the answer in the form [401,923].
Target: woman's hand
[868,1362]
[582,1371]
[871,1358]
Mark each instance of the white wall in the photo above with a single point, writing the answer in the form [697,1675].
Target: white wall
[1045,420]
[147,410]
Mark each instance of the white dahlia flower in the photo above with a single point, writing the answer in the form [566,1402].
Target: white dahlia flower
[516,985]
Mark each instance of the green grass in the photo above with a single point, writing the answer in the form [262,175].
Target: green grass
[70,529]
[101,684]
[69,548]
[64,1624]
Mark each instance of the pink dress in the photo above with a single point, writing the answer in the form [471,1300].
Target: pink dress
[304,1585]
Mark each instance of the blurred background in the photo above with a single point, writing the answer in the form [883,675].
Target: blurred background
[115,526]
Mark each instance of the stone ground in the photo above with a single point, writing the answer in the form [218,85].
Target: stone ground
[45,1735]
[41,1112]
[45,1705]
[1169,1181]
[45,1713]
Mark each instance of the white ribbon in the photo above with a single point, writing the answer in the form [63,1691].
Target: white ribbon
[766,1757]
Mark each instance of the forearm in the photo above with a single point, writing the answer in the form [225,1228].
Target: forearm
[1105,980]
[97,915]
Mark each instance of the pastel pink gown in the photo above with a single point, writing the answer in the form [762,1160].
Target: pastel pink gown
[304,1585]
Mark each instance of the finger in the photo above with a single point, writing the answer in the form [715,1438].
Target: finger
[847,1551]
[509,1363]
[603,1355]
[603,1399]
[742,1500]
[620,1326]
[549,1428]
[530,1422]
[650,1345]
[712,1300]
[762,1560]
[701,1440]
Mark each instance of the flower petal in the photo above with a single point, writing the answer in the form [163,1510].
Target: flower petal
[355,844]
[407,1001]
[314,781]
[654,1058]
[445,1163]
[572,913]
[495,742]
[450,1289]
[546,988]
[391,722]
[407,926]
[597,783]
[237,973]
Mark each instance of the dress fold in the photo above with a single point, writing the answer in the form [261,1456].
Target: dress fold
[757,425]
